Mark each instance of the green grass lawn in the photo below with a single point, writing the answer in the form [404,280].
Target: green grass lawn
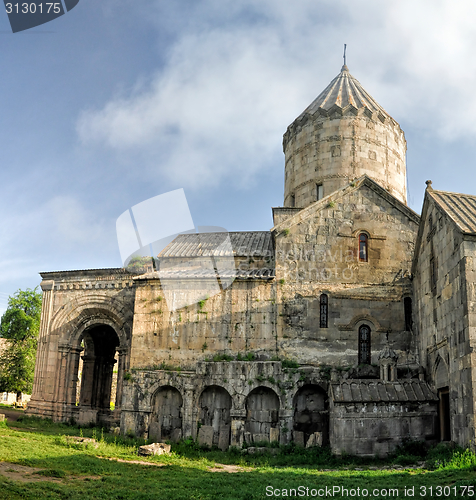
[77,471]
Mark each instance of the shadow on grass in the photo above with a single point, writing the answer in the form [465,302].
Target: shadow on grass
[175,482]
[185,475]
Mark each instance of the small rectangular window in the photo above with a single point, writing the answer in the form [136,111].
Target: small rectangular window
[319,192]
[293,201]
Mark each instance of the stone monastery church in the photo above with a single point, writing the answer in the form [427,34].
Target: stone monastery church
[351,323]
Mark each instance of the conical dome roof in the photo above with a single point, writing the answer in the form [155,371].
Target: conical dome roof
[343,134]
[344,90]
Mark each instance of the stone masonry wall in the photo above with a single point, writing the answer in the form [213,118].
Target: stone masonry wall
[445,321]
[238,320]
[376,429]
[317,253]
[333,150]
[239,379]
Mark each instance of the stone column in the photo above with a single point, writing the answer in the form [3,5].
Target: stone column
[85,397]
[105,371]
[62,373]
[393,373]
[187,409]
[73,380]
[121,368]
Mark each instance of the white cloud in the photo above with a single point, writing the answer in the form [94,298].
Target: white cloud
[217,109]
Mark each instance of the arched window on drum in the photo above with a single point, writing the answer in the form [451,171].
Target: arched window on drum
[363,247]
[364,345]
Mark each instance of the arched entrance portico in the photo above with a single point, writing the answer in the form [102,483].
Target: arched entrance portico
[94,350]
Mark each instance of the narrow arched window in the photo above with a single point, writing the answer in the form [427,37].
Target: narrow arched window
[324,311]
[364,345]
[363,247]
[407,307]
[319,192]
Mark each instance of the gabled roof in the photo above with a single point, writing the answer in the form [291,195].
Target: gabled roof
[461,208]
[243,244]
[376,391]
[344,90]
[365,180]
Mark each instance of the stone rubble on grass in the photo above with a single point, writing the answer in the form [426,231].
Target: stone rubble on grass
[154,449]
[82,440]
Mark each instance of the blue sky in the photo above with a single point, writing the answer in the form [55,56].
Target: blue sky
[116,102]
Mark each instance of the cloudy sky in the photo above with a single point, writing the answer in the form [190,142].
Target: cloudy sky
[116,102]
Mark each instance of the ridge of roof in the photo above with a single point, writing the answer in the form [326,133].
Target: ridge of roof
[245,243]
[338,194]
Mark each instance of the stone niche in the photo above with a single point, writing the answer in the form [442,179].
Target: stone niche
[215,405]
[262,414]
[166,417]
[311,413]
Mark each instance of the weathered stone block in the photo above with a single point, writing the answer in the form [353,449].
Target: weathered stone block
[154,449]
[274,434]
[86,417]
[298,438]
[315,439]
[224,437]
[237,433]
[259,438]
[176,435]
[205,435]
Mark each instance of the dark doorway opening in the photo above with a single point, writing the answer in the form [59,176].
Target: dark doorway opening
[311,414]
[444,414]
[100,344]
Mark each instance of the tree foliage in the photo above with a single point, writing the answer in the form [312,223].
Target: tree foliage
[20,326]
[140,264]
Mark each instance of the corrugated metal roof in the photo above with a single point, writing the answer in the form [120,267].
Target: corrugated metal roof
[238,244]
[460,207]
[344,90]
[368,391]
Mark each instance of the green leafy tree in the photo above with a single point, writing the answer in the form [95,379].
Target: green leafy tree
[140,264]
[20,326]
